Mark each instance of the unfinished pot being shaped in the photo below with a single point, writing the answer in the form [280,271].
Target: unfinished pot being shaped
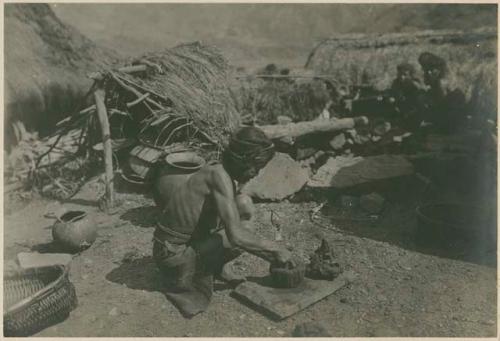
[74,231]
[175,171]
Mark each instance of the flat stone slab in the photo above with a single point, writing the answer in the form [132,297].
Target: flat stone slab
[344,172]
[279,303]
[28,260]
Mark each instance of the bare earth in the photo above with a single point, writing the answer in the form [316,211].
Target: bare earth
[397,293]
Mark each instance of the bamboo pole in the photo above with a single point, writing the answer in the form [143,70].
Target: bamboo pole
[99,95]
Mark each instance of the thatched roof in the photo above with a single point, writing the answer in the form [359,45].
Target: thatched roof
[46,62]
[379,41]
[191,80]
[367,58]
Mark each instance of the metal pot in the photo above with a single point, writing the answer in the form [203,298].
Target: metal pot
[74,231]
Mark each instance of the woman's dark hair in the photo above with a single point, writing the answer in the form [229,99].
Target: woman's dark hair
[430,61]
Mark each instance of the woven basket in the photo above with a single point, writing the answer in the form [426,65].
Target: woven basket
[35,299]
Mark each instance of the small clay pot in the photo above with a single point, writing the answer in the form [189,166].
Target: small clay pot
[287,277]
[74,231]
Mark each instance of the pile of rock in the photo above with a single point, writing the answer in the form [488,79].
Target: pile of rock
[328,160]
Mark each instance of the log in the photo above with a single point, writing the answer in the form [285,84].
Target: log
[99,95]
[304,128]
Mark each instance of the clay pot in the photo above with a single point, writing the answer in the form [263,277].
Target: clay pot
[74,231]
[287,277]
[176,170]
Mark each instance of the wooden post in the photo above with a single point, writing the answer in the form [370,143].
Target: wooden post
[99,95]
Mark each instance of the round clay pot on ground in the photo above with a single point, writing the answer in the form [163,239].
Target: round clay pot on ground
[74,231]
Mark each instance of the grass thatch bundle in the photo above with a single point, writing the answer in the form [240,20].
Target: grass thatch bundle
[262,100]
[359,59]
[190,80]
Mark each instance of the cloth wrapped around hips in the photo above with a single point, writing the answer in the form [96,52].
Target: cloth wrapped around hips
[189,269]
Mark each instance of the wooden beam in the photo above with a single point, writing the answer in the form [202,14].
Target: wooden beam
[304,128]
[99,96]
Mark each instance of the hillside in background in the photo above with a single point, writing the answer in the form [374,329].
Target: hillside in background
[260,33]
[49,49]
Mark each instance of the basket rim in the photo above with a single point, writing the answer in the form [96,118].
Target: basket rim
[24,302]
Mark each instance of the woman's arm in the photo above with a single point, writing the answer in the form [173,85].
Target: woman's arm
[243,238]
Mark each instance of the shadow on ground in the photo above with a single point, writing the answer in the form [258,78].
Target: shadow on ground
[50,247]
[139,274]
[143,216]
[397,224]
[81,202]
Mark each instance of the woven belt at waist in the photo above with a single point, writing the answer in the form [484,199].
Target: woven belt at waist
[181,237]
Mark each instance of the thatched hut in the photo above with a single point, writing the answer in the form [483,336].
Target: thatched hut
[46,62]
[189,80]
[155,104]
[370,58]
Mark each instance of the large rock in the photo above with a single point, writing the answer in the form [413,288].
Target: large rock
[348,171]
[281,178]
[325,174]
[372,169]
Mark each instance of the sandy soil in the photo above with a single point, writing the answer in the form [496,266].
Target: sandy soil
[399,291]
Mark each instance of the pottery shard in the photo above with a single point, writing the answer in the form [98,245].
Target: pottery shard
[281,178]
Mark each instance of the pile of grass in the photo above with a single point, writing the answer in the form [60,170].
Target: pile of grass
[193,78]
[262,101]
[471,59]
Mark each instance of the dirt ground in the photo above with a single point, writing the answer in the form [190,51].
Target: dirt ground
[399,290]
